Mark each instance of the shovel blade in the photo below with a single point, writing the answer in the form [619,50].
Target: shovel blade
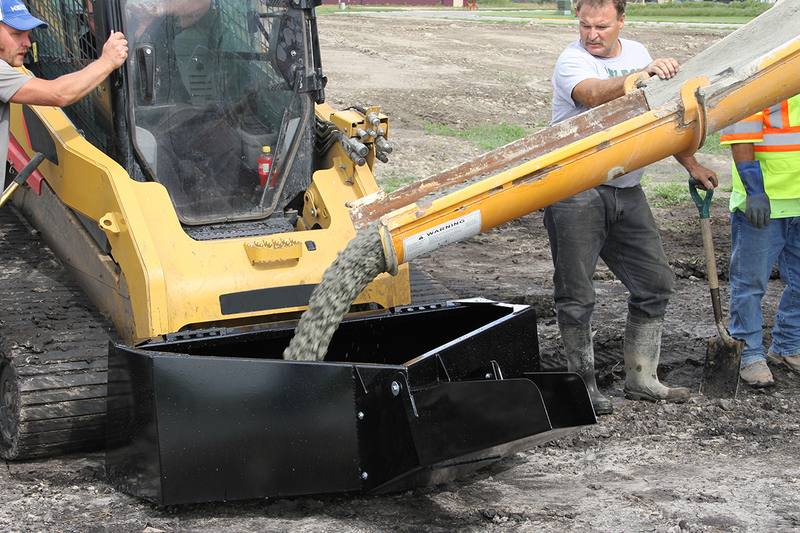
[721,368]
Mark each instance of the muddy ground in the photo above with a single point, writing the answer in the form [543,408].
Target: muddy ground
[708,465]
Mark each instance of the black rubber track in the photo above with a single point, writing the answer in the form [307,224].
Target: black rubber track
[53,351]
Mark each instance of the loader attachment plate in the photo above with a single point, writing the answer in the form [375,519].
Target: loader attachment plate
[407,397]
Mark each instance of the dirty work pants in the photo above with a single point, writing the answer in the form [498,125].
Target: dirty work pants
[614,224]
[753,254]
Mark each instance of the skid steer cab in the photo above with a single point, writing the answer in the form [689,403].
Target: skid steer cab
[213,84]
[209,85]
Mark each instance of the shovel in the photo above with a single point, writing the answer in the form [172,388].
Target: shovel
[21,177]
[724,354]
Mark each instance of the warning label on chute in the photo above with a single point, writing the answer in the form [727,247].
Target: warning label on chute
[441,235]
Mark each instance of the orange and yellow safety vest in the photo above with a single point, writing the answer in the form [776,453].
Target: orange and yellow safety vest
[775,134]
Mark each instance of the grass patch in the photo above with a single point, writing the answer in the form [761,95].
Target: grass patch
[711,146]
[674,192]
[705,10]
[670,193]
[665,194]
[487,136]
[696,12]
[394,182]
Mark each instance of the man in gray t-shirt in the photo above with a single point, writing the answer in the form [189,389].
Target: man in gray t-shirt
[16,87]
[611,221]
[10,82]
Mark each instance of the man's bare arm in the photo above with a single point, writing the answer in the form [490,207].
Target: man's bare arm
[594,92]
[743,152]
[70,88]
[704,175]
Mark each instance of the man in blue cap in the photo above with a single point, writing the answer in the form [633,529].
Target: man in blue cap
[16,87]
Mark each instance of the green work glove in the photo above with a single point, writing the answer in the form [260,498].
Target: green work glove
[757,207]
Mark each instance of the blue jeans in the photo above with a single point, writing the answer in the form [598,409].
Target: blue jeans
[614,224]
[753,254]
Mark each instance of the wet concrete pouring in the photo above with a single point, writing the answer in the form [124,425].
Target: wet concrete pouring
[708,465]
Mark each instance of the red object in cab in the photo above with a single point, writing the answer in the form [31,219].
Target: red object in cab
[264,165]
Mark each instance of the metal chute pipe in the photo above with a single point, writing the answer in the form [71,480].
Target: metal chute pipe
[430,224]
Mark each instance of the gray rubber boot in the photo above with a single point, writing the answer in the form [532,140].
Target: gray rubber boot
[580,359]
[642,349]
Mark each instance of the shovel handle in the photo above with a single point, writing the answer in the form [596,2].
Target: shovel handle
[703,204]
[708,250]
[713,279]
[21,177]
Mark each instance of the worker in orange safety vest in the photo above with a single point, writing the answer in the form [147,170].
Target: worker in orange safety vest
[765,228]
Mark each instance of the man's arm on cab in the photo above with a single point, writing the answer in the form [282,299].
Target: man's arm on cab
[70,88]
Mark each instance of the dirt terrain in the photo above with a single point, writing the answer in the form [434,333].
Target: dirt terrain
[709,465]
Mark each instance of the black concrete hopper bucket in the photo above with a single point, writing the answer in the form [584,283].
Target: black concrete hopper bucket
[407,397]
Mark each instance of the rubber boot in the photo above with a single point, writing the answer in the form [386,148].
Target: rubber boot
[642,349]
[580,359]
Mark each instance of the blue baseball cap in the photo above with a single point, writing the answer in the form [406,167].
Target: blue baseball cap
[15,14]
